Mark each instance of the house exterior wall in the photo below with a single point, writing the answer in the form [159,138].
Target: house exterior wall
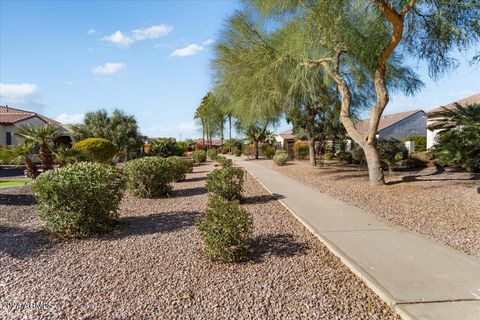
[13,128]
[415,125]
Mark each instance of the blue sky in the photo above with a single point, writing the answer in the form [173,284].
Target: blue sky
[149,58]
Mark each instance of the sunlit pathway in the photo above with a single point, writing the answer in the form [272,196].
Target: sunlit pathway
[420,278]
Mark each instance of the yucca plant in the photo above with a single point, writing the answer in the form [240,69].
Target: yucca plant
[44,136]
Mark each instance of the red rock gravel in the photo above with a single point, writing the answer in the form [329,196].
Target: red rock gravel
[151,266]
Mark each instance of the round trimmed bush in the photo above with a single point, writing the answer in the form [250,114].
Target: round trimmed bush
[226,229]
[199,156]
[280,158]
[180,167]
[149,177]
[224,162]
[79,199]
[99,149]
[226,182]
[212,154]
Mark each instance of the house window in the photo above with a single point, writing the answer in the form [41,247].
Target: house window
[8,138]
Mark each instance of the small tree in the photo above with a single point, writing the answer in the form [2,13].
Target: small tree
[21,154]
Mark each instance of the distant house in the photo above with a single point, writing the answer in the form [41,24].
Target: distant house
[285,139]
[11,119]
[398,125]
[432,134]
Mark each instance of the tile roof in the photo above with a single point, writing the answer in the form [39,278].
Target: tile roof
[9,115]
[287,135]
[386,120]
[475,99]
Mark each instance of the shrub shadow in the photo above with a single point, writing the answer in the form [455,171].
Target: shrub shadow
[23,243]
[151,224]
[279,245]
[262,198]
[194,179]
[17,199]
[189,192]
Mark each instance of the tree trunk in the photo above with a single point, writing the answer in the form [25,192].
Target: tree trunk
[374,164]
[256,149]
[230,127]
[311,151]
[32,171]
[46,155]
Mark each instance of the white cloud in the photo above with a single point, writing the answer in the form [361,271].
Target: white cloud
[125,40]
[91,31]
[17,92]
[70,83]
[109,68]
[207,42]
[186,129]
[189,50]
[66,118]
[22,95]
[152,32]
[119,39]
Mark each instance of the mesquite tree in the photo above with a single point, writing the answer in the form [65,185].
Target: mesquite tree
[372,34]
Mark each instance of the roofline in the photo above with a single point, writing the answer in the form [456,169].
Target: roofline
[401,120]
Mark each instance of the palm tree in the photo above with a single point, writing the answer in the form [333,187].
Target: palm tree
[44,135]
[20,154]
[66,155]
[458,115]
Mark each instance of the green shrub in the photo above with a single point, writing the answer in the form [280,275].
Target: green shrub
[420,142]
[300,150]
[180,167]
[79,199]
[212,154]
[166,147]
[199,156]
[268,150]
[344,156]
[149,177]
[224,162]
[237,152]
[226,182]
[391,152]
[226,229]
[328,156]
[459,148]
[358,156]
[99,149]
[224,149]
[281,158]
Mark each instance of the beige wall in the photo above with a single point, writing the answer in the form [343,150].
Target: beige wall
[13,128]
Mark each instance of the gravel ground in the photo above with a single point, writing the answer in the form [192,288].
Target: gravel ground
[443,205]
[152,267]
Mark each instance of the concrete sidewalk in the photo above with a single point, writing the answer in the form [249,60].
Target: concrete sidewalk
[419,278]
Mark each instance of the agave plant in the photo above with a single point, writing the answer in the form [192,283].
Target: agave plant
[44,135]
[21,154]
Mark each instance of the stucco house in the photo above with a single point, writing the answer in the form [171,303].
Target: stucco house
[11,119]
[432,134]
[398,125]
[285,139]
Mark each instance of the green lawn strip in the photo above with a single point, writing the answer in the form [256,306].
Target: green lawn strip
[14,183]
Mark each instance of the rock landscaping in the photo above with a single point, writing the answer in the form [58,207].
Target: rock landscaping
[152,265]
[438,203]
